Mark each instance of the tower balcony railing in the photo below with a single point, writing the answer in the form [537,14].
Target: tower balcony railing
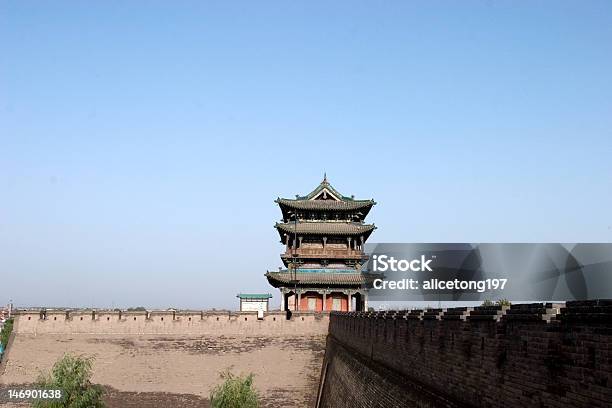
[325,253]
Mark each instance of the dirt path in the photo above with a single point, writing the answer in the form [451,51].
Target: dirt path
[150,371]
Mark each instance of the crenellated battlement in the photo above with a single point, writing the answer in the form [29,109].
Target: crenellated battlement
[520,312]
[190,322]
[540,354]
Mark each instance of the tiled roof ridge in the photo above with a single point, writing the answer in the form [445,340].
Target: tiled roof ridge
[324,185]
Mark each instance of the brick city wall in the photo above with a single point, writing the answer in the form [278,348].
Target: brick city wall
[168,322]
[536,355]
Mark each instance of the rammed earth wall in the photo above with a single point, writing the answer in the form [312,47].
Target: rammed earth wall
[537,355]
[161,358]
[168,322]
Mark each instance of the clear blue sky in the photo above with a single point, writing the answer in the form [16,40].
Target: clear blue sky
[143,144]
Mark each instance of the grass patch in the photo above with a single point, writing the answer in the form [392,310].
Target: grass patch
[72,375]
[234,392]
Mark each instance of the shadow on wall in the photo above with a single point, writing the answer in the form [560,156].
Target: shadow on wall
[529,355]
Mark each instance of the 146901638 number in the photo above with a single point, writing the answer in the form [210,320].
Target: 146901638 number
[34,394]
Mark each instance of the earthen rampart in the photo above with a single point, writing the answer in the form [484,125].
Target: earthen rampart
[168,322]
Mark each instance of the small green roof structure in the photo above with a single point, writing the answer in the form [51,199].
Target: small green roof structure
[254,295]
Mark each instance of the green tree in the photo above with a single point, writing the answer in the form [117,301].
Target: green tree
[6,332]
[72,375]
[488,302]
[234,392]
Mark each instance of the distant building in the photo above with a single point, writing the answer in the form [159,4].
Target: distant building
[6,312]
[324,233]
[254,302]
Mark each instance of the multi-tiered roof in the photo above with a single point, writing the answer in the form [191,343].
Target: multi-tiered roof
[324,232]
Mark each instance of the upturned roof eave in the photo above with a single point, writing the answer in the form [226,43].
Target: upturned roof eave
[313,204]
[278,279]
[288,228]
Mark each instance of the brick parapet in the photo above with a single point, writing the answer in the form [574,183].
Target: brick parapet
[540,355]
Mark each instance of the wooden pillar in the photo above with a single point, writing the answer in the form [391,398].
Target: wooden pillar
[350,301]
[299,300]
[324,300]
